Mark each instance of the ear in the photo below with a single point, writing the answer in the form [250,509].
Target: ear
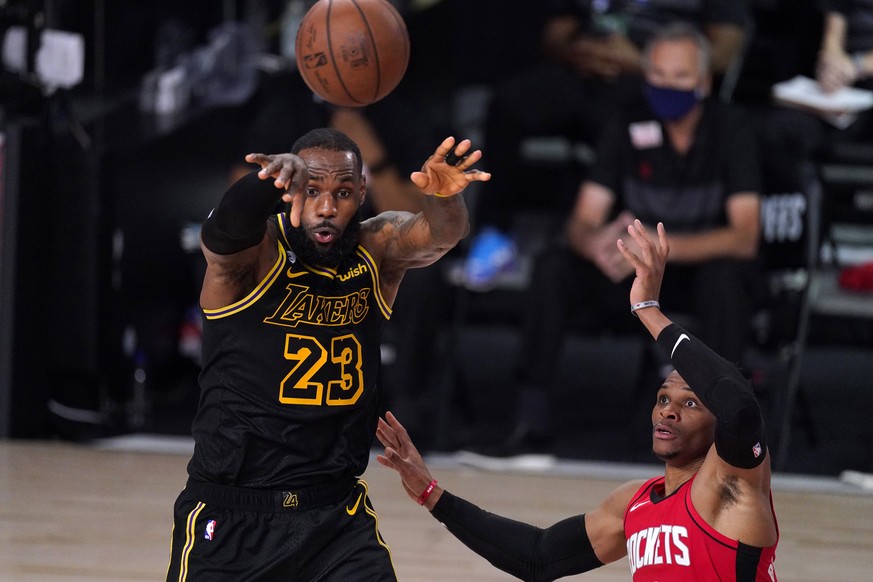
[705,88]
[363,191]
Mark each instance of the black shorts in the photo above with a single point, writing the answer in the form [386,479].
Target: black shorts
[319,533]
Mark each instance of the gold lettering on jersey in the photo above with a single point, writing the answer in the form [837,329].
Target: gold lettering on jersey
[301,306]
[290,499]
[354,272]
[664,544]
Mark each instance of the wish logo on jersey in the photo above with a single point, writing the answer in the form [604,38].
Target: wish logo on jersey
[355,271]
[654,546]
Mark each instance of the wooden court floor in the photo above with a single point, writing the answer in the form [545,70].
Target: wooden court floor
[76,513]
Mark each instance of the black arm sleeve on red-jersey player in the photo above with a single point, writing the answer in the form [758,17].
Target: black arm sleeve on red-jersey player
[523,550]
[740,436]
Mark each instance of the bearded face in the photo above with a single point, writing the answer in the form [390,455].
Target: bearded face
[304,245]
[330,220]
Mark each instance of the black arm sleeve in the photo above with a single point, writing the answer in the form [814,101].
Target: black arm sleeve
[740,437]
[523,550]
[240,220]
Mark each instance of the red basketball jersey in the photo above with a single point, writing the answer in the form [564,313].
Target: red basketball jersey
[667,540]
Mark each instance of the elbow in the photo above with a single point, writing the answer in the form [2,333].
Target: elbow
[462,227]
[747,251]
[747,245]
[578,237]
[454,224]
[465,231]
[451,237]
[447,238]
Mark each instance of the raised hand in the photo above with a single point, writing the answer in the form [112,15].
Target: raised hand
[604,253]
[648,264]
[437,177]
[289,173]
[402,456]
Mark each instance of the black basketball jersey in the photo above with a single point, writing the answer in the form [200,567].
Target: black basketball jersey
[289,391]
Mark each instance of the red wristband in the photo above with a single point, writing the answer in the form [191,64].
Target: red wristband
[427,491]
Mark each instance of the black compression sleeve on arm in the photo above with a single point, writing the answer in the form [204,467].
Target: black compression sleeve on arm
[740,437]
[240,220]
[523,550]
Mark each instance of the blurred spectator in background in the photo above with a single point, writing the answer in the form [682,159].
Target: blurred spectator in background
[846,55]
[591,68]
[681,158]
[845,59]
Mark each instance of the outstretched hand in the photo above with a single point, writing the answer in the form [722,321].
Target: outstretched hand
[402,456]
[439,177]
[289,173]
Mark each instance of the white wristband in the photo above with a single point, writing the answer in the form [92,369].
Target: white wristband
[643,304]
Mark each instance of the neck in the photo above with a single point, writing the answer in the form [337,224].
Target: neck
[681,131]
[676,475]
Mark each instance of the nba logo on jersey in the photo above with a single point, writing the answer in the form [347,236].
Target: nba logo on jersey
[210,529]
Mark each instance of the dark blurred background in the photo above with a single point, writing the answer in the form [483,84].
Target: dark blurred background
[102,195]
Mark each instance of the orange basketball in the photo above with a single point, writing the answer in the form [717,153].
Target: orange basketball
[352,52]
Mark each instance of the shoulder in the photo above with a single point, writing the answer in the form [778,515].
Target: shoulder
[622,495]
[605,523]
[384,220]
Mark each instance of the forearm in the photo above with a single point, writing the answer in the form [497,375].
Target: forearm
[834,34]
[523,550]
[740,437]
[581,238]
[719,243]
[240,219]
[447,218]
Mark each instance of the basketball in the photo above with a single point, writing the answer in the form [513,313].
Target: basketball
[352,52]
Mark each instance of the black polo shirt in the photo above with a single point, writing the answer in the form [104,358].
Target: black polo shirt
[686,192]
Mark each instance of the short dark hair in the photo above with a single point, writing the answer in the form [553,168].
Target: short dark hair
[327,138]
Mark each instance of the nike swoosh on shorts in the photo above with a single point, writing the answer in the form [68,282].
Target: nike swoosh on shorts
[354,508]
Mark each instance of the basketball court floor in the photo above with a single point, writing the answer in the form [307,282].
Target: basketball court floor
[102,511]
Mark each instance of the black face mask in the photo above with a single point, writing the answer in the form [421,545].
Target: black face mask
[310,253]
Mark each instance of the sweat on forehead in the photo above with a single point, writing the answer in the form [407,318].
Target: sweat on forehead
[328,160]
